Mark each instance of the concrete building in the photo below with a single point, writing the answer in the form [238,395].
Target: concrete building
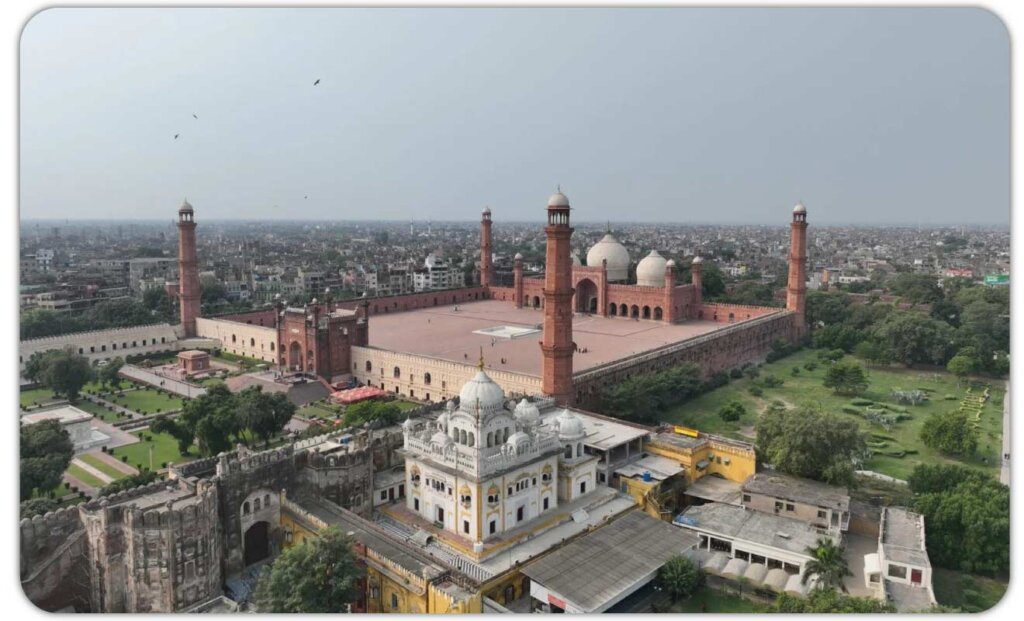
[824,506]
[76,422]
[900,571]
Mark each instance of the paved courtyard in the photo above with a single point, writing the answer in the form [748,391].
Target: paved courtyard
[442,332]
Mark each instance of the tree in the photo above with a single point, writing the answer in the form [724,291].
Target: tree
[827,308]
[65,372]
[819,601]
[318,576]
[712,283]
[967,517]
[211,419]
[369,411]
[263,414]
[144,477]
[873,351]
[38,506]
[846,378]
[837,336]
[680,577]
[807,442]
[36,365]
[46,451]
[182,433]
[917,288]
[110,374]
[950,432]
[732,411]
[914,338]
[643,398]
[964,363]
[828,565]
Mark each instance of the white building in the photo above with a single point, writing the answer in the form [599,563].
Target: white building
[900,571]
[482,469]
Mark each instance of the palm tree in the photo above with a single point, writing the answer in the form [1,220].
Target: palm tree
[828,565]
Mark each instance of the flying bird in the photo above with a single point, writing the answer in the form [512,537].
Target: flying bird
[317,82]
[194,116]
[305,197]
[176,136]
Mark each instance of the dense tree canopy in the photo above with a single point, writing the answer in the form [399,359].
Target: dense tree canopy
[829,601]
[46,451]
[680,577]
[950,432]
[109,375]
[914,338]
[917,288]
[807,442]
[63,371]
[643,398]
[318,576]
[846,378]
[370,411]
[120,313]
[967,518]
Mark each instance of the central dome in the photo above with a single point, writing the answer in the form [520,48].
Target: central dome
[558,200]
[609,249]
[482,392]
[651,271]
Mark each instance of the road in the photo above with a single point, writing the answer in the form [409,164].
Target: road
[1004,472]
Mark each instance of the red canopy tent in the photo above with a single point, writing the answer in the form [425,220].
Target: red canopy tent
[355,395]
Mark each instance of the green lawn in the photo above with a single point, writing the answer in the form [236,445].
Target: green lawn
[165,449]
[806,387]
[716,601]
[37,396]
[103,466]
[405,406]
[84,476]
[317,410]
[146,401]
[967,591]
[97,410]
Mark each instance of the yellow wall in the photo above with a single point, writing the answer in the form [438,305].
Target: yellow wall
[743,461]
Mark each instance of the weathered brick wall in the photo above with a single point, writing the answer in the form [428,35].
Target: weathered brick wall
[54,571]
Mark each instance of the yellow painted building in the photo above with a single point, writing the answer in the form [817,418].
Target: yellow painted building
[701,454]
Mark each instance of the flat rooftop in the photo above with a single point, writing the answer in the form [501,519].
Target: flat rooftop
[442,332]
[601,433]
[903,537]
[601,568]
[735,522]
[65,415]
[797,489]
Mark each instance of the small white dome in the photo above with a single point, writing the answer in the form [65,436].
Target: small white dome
[558,200]
[799,208]
[527,413]
[519,256]
[670,263]
[609,249]
[518,438]
[185,207]
[482,392]
[486,211]
[407,425]
[440,438]
[570,427]
[697,260]
[650,272]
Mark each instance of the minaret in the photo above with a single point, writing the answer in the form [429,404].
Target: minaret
[796,293]
[517,275]
[696,279]
[670,287]
[485,248]
[557,344]
[188,269]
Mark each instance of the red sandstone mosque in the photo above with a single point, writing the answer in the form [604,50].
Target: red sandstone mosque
[426,345]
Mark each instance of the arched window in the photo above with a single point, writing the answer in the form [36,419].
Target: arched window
[266,500]
[397,373]
[271,347]
[579,449]
[394,601]
[256,505]
[233,339]
[568,451]
[246,510]
[426,379]
[490,438]
[252,342]
[462,436]
[472,439]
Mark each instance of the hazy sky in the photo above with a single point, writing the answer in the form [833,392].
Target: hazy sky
[705,115]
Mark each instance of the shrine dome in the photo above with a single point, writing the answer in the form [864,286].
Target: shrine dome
[611,250]
[651,270]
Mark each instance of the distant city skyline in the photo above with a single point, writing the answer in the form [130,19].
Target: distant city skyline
[704,116]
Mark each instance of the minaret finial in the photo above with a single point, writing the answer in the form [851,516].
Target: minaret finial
[609,227]
[480,364]
[559,186]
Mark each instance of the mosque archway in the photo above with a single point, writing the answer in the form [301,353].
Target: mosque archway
[623,310]
[634,312]
[536,301]
[295,356]
[657,313]
[257,543]
[647,312]
[586,296]
[613,310]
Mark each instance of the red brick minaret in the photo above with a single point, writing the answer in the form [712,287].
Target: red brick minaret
[796,293]
[556,344]
[697,280]
[485,248]
[188,269]
[517,283]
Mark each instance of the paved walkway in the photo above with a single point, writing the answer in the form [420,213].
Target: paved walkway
[1004,471]
[182,389]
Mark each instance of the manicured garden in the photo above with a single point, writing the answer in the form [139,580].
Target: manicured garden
[102,466]
[97,410]
[85,477]
[165,450]
[317,410]
[37,396]
[895,450]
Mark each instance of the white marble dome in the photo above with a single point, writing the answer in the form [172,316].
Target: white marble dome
[186,207]
[570,427]
[799,208]
[518,439]
[650,272]
[481,393]
[527,413]
[519,256]
[698,260]
[441,438]
[611,250]
[558,200]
